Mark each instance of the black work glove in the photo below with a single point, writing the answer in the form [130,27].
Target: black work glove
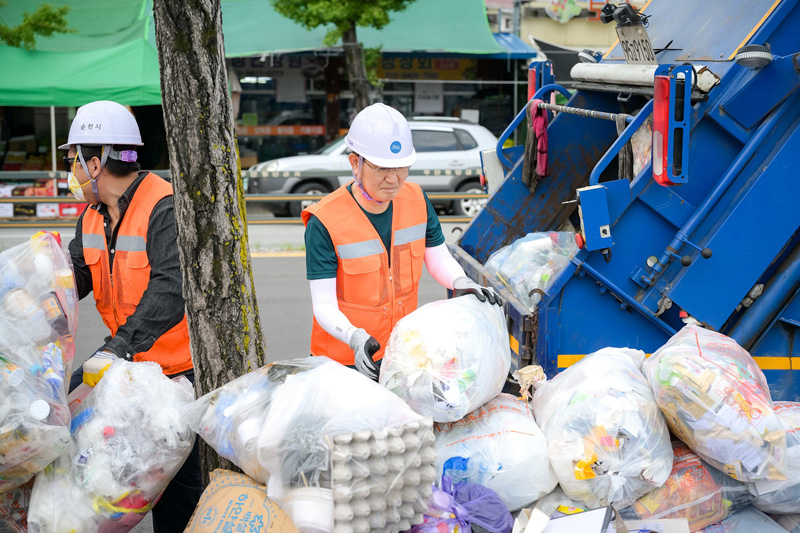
[464,285]
[364,347]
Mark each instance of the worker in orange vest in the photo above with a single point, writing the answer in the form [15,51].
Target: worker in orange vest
[366,243]
[124,252]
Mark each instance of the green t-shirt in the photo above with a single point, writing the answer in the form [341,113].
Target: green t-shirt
[321,259]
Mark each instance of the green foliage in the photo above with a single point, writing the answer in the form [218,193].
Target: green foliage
[45,21]
[372,57]
[339,13]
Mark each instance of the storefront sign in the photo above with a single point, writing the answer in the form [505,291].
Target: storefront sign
[428,98]
[427,68]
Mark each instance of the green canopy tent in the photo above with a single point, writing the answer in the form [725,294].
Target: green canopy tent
[112,55]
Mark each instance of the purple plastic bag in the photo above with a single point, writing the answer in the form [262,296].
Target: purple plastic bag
[464,505]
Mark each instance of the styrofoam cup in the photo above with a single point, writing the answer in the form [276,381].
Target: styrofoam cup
[310,509]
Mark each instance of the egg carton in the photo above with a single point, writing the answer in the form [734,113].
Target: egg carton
[382,478]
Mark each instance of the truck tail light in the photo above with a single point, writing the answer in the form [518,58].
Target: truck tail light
[661,130]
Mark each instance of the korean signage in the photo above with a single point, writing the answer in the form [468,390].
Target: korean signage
[427,68]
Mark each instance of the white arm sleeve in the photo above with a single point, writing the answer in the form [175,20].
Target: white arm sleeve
[326,309]
[442,266]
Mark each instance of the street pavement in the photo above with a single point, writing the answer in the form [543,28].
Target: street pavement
[283,297]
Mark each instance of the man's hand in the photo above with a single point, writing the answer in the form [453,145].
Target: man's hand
[464,285]
[365,346]
[96,365]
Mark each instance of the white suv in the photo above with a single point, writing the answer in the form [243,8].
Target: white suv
[441,144]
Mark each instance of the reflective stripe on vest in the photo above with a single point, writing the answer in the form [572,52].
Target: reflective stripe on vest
[371,295]
[117,296]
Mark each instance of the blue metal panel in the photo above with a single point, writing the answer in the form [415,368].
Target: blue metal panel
[752,235]
[595,222]
[700,31]
[668,203]
[765,90]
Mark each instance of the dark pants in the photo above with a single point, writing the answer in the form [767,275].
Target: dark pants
[177,503]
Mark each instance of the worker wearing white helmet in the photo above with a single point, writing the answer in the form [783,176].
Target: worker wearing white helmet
[366,243]
[128,230]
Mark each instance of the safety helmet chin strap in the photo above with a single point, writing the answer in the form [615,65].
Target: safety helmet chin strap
[106,149]
[357,178]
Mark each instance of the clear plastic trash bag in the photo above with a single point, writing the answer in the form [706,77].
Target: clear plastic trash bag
[716,400]
[129,439]
[694,490]
[38,319]
[607,440]
[448,357]
[529,266]
[748,520]
[338,449]
[499,446]
[783,497]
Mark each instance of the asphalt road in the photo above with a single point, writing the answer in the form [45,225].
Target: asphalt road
[282,292]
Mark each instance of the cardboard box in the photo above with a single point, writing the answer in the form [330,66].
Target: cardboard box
[23,143]
[70,210]
[47,210]
[24,210]
[234,502]
[6,210]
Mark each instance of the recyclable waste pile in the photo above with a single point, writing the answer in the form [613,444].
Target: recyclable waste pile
[129,439]
[529,266]
[783,497]
[448,357]
[14,506]
[341,452]
[500,447]
[607,440]
[789,522]
[716,400]
[38,319]
[694,490]
[748,520]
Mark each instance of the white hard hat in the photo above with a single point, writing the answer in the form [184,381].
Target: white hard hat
[103,122]
[382,135]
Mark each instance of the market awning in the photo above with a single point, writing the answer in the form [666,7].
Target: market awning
[114,57]
[514,46]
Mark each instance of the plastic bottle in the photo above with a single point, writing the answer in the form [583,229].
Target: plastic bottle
[54,313]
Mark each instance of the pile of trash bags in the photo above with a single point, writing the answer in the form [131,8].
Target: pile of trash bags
[529,266]
[715,399]
[448,357]
[607,440]
[339,450]
[129,439]
[38,320]
[500,447]
[695,491]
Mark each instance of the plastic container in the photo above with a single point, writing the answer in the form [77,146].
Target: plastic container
[312,509]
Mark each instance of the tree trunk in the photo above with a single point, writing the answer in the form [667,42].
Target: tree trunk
[356,69]
[224,327]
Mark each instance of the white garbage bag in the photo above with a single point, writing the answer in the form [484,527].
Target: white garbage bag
[529,266]
[748,520]
[694,490]
[500,447]
[783,497]
[607,440]
[129,439]
[716,400]
[38,320]
[338,450]
[448,357]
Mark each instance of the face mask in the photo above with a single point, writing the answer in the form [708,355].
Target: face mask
[75,187]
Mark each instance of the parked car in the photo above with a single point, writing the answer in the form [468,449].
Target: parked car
[440,144]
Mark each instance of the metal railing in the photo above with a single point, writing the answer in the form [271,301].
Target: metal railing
[250,199]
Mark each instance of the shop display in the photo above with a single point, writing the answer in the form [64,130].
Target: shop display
[38,319]
[607,440]
[129,439]
[529,266]
[715,399]
[448,357]
[500,447]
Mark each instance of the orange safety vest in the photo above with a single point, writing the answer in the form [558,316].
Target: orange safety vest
[117,296]
[371,294]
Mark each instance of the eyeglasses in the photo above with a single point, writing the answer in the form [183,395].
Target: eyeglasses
[68,163]
[402,172]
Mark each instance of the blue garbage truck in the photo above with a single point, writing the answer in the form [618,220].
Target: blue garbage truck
[708,229]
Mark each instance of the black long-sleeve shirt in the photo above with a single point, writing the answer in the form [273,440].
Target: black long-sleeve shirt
[162,305]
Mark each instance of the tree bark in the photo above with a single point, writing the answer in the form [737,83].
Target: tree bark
[224,327]
[356,70]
